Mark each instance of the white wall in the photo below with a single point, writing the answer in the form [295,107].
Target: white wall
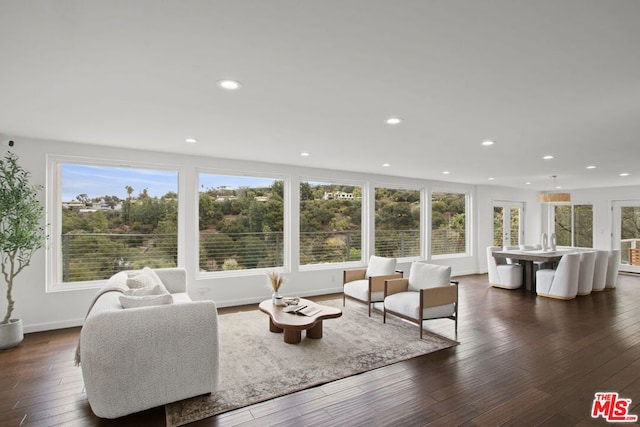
[41,310]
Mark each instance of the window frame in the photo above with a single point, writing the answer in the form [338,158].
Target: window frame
[364,223]
[286,223]
[53,202]
[572,214]
[467,224]
[423,216]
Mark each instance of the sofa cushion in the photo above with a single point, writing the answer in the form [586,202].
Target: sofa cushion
[380,266]
[135,301]
[408,303]
[181,297]
[423,275]
[359,290]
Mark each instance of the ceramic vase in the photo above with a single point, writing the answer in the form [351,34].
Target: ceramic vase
[11,334]
[544,241]
[277,299]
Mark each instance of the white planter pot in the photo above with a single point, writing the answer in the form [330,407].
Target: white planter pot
[11,334]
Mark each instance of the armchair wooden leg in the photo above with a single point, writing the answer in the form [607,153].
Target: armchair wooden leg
[384,315]
[344,298]
[420,328]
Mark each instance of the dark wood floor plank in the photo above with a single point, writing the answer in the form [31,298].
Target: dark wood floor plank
[522,360]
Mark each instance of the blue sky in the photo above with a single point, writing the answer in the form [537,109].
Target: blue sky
[98,181]
[208,181]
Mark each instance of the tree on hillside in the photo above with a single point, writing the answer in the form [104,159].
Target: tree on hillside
[111,201]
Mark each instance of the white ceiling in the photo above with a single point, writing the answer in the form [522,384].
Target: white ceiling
[558,77]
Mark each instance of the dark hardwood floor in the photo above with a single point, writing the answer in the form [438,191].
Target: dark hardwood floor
[521,361]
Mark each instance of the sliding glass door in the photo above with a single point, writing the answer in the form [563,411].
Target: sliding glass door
[573,225]
[626,231]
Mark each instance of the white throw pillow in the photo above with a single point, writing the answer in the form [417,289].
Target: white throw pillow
[380,266]
[140,279]
[145,278]
[147,290]
[423,275]
[156,278]
[135,301]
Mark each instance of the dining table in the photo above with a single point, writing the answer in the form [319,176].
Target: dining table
[527,258]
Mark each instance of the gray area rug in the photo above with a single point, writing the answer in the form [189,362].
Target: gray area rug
[256,365]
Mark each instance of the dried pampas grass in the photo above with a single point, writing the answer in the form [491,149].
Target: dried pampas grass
[275,279]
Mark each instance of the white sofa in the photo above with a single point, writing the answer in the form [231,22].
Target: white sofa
[139,358]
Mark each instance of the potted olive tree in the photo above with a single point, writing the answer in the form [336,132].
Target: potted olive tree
[21,234]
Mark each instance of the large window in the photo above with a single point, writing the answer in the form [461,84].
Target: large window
[112,218]
[573,225]
[397,223]
[241,222]
[330,223]
[448,223]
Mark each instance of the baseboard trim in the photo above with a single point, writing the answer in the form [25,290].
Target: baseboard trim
[41,327]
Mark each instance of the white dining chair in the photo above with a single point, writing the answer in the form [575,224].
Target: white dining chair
[612,269]
[501,274]
[587,267]
[600,270]
[561,283]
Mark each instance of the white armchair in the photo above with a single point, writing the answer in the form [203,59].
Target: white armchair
[366,285]
[561,283]
[428,293]
[501,274]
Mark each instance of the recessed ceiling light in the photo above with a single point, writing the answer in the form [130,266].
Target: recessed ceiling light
[445,172]
[229,84]
[191,140]
[394,120]
[491,179]
[305,154]
[487,143]
[548,157]
[386,165]
[591,167]
[624,174]
[527,183]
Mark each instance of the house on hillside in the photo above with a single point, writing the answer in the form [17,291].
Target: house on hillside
[337,195]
